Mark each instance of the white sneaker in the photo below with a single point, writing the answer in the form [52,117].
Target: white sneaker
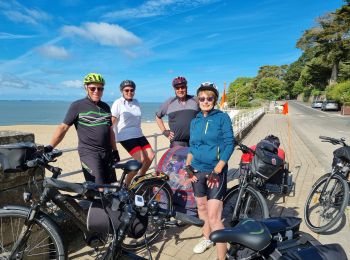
[202,246]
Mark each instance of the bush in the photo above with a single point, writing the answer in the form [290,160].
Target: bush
[339,92]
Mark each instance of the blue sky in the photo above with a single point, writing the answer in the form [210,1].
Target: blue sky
[48,46]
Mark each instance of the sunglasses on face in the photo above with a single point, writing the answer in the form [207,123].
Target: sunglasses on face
[180,87]
[93,89]
[129,90]
[209,99]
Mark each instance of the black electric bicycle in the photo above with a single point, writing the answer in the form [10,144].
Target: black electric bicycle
[274,238]
[244,200]
[30,233]
[329,195]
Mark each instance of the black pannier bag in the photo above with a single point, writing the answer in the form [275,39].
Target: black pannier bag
[266,161]
[100,222]
[14,156]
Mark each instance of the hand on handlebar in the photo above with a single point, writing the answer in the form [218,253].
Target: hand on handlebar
[48,148]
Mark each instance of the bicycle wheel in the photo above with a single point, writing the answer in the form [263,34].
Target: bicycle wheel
[44,241]
[151,191]
[253,205]
[323,210]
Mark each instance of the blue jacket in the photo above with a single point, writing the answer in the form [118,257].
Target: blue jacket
[211,140]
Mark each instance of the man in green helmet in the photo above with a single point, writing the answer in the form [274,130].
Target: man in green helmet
[92,120]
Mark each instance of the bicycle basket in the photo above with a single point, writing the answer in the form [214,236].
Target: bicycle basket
[100,220]
[14,156]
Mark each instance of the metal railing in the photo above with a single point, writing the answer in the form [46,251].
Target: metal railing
[239,123]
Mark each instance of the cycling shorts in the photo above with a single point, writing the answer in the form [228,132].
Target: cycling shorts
[201,189]
[135,144]
[97,167]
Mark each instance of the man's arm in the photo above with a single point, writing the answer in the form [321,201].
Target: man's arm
[113,141]
[167,133]
[59,134]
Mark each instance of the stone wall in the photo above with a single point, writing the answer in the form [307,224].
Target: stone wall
[12,185]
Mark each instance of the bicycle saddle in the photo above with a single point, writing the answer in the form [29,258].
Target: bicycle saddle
[282,224]
[248,232]
[131,165]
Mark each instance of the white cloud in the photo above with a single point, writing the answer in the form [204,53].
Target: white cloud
[11,81]
[16,12]
[156,8]
[10,36]
[103,33]
[73,83]
[53,51]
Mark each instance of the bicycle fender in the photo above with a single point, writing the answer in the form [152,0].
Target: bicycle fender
[143,182]
[16,207]
[42,215]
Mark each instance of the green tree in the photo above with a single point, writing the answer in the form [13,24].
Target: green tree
[330,38]
[270,88]
[240,92]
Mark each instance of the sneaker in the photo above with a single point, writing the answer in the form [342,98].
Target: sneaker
[202,246]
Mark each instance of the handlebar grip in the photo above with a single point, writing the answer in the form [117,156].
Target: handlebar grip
[189,219]
[65,186]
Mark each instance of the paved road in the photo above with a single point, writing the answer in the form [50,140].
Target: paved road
[310,123]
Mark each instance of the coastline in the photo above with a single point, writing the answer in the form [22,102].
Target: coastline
[70,161]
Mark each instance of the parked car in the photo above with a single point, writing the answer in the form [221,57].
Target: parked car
[330,105]
[317,104]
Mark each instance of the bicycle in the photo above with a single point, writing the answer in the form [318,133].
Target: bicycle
[30,233]
[274,238]
[244,200]
[329,195]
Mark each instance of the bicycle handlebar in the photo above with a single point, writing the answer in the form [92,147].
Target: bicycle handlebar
[332,140]
[44,158]
[245,149]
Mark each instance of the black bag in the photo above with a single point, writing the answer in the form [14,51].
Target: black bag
[266,162]
[101,217]
[317,252]
[14,156]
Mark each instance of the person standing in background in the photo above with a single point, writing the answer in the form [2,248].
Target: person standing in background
[180,110]
[96,143]
[126,119]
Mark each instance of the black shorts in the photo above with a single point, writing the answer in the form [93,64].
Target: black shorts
[201,189]
[135,144]
[97,167]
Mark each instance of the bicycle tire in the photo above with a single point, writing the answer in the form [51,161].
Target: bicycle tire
[44,236]
[153,231]
[340,202]
[230,200]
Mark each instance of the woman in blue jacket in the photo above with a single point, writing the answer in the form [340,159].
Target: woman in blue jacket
[211,146]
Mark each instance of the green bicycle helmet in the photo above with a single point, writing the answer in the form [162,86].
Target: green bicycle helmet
[94,78]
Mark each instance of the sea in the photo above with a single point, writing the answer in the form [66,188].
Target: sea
[34,112]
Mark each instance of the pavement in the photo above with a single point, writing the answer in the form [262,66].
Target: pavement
[177,243]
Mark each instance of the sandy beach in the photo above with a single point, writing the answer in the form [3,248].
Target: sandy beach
[69,161]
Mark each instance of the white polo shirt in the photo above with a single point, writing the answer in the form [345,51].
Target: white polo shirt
[128,114]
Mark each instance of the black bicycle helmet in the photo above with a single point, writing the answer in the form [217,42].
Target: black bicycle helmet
[179,81]
[126,83]
[208,86]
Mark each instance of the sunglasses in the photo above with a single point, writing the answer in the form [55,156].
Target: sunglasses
[180,87]
[209,99]
[129,90]
[93,89]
